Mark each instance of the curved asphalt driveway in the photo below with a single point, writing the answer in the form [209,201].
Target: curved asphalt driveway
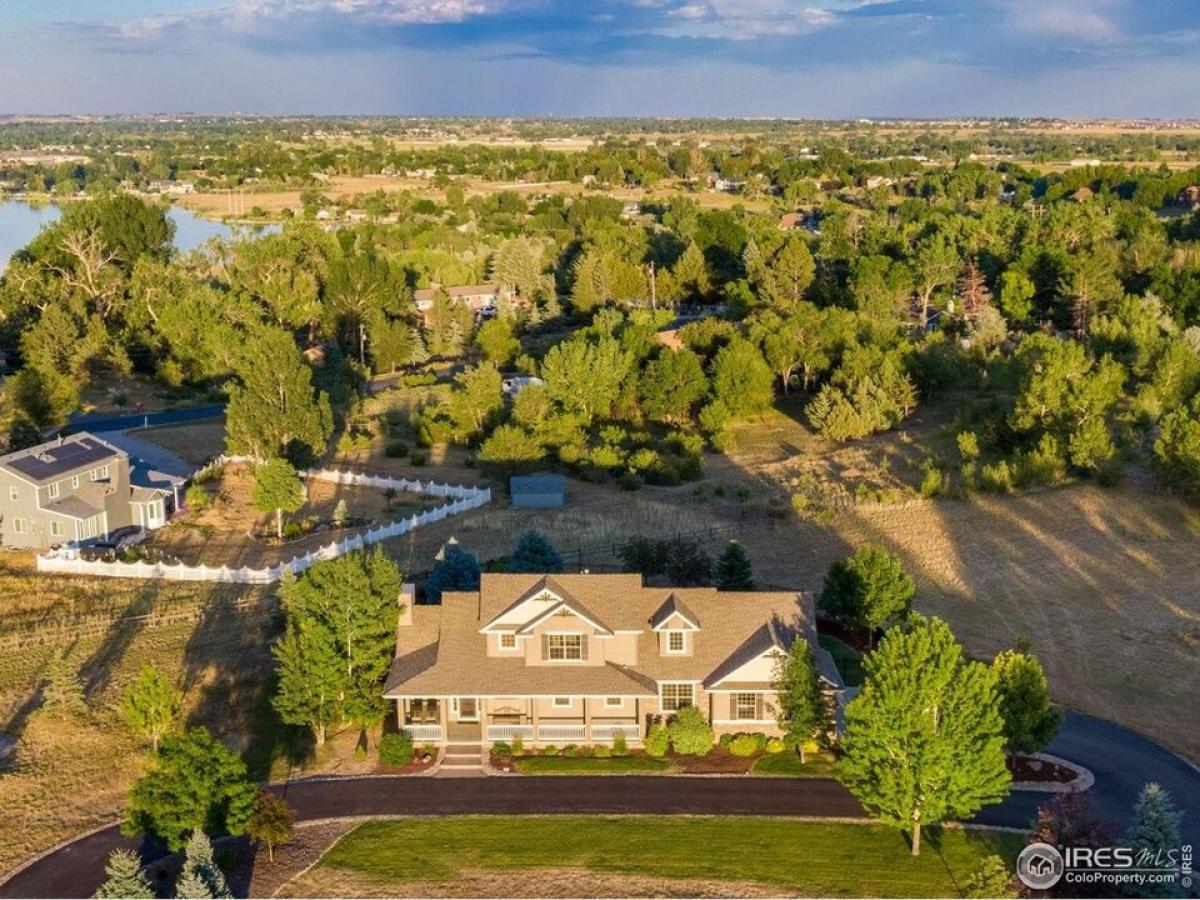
[1121,760]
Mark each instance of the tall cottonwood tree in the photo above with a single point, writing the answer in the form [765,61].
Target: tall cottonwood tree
[924,740]
[273,408]
[343,609]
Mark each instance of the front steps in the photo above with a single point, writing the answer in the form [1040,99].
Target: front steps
[462,761]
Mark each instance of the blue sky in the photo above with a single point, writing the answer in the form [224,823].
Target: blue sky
[821,58]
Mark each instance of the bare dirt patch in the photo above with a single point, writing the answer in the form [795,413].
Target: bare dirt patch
[559,882]
[232,532]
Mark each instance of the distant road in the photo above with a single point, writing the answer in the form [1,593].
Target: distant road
[104,422]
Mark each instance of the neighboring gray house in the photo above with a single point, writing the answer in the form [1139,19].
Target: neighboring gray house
[538,491]
[77,489]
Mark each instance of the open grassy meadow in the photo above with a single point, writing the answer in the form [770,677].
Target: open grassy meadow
[452,856]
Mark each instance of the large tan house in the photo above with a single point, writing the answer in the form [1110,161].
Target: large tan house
[77,489]
[482,299]
[560,659]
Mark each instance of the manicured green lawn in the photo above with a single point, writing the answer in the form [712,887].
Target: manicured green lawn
[847,659]
[813,858]
[571,765]
[816,765]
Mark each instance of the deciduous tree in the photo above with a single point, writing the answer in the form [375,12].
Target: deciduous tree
[150,705]
[924,740]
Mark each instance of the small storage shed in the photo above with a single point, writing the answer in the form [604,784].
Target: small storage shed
[538,491]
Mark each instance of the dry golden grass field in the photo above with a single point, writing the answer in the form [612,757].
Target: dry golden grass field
[1104,583]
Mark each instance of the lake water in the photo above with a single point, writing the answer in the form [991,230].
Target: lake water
[19,222]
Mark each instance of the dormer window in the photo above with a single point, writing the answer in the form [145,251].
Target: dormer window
[676,642]
[508,641]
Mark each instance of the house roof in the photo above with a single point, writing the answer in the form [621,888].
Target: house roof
[443,653]
[74,507]
[458,290]
[537,484]
[671,607]
[52,460]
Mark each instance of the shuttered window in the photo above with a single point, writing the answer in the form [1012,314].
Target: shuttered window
[564,647]
[745,706]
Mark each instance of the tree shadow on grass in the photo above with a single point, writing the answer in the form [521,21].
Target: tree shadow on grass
[229,675]
[97,670]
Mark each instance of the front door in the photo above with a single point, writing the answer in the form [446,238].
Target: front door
[468,709]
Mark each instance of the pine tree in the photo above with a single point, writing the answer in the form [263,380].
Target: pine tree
[924,740]
[198,864]
[62,694]
[150,705]
[733,571]
[535,553]
[801,707]
[340,512]
[1153,834]
[457,570]
[973,292]
[124,878]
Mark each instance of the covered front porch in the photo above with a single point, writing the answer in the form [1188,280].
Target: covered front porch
[535,720]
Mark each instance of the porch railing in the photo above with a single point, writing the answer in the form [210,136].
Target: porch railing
[421,733]
[562,732]
[508,732]
[609,732]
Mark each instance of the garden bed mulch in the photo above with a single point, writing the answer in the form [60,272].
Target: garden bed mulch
[718,761]
[1027,769]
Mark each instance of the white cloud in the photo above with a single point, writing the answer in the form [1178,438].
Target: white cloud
[1087,20]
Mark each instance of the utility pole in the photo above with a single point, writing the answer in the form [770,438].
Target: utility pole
[653,289]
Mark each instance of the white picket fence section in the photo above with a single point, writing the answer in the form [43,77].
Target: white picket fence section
[66,560]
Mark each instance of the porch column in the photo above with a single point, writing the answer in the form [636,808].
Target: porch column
[444,718]
[399,714]
[587,719]
[533,716]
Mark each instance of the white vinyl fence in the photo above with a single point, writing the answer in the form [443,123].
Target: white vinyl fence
[66,560]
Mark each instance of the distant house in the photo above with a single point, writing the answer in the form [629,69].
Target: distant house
[514,384]
[538,491]
[1189,196]
[1083,194]
[669,338]
[877,181]
[171,187]
[357,215]
[791,221]
[483,299]
[631,209]
[78,489]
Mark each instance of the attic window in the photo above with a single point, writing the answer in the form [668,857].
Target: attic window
[676,642]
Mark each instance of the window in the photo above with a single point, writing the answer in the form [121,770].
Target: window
[614,701]
[561,702]
[676,642]
[13,493]
[100,473]
[675,696]
[745,706]
[564,646]
[74,481]
[21,526]
[56,529]
[508,641]
[52,490]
